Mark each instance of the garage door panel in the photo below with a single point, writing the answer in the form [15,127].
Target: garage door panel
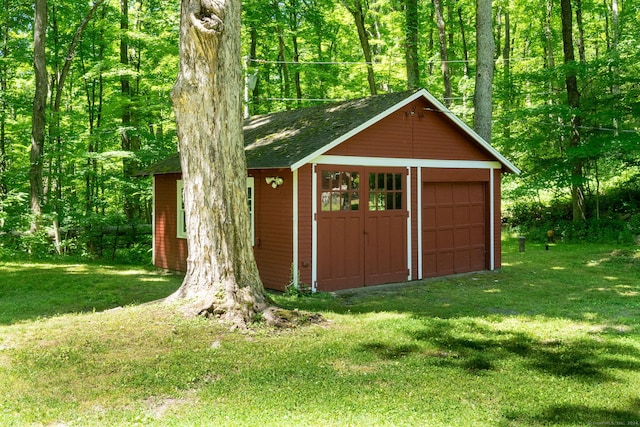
[477,259]
[453,228]
[445,262]
[476,194]
[477,236]
[476,213]
[444,239]
[444,194]
[461,215]
[462,238]
[462,261]
[444,216]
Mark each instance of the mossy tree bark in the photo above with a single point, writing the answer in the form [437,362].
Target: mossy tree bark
[222,277]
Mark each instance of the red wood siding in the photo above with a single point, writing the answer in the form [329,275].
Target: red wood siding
[305,224]
[273,247]
[426,134]
[169,251]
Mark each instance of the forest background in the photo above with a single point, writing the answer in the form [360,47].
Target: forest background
[108,115]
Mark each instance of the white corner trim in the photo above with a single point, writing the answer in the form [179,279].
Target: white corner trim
[409,229]
[153,220]
[419,220]
[492,221]
[296,254]
[314,229]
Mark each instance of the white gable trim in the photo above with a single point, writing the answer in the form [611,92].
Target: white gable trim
[355,131]
[422,93]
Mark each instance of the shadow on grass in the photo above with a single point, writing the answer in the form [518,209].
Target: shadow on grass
[31,290]
[588,360]
[458,318]
[585,415]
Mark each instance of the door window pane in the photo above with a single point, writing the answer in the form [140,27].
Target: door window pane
[385,191]
[340,191]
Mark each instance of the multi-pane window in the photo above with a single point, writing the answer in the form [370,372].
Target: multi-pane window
[385,191]
[340,191]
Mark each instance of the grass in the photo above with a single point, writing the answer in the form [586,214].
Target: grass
[551,339]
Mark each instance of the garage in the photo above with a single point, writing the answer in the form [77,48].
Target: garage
[381,189]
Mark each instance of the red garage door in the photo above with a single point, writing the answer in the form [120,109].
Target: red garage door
[453,228]
[362,227]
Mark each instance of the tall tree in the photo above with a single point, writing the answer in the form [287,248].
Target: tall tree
[126,137]
[411,43]
[222,277]
[573,99]
[358,11]
[4,77]
[444,55]
[38,125]
[485,47]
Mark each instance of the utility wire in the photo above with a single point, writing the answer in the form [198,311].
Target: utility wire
[451,61]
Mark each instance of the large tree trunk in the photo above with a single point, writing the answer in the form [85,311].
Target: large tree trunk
[411,44]
[485,48]
[39,109]
[573,97]
[444,55]
[222,277]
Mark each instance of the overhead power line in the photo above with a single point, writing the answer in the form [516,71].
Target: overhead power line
[451,61]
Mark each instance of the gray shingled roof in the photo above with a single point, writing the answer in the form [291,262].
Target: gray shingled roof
[288,139]
[278,140]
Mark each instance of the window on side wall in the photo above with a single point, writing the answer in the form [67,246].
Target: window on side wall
[181,215]
[181,218]
[251,202]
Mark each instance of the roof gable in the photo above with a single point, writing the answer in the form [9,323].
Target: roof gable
[291,139]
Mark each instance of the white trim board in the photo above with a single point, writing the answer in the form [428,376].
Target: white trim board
[418,163]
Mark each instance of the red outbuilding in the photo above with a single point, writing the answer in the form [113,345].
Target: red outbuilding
[388,188]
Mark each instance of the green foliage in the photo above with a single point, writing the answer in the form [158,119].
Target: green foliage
[614,219]
[301,53]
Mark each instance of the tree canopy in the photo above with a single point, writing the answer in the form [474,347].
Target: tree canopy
[114,115]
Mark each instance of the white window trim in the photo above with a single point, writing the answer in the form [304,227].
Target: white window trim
[180,217]
[251,184]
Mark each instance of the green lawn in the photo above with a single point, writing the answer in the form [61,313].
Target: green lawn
[552,339]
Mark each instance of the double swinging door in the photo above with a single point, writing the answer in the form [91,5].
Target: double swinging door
[362,226]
